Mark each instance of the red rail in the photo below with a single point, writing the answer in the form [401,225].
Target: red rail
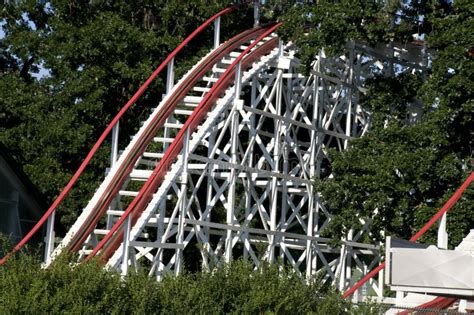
[115,243]
[146,192]
[436,303]
[158,121]
[448,205]
[107,131]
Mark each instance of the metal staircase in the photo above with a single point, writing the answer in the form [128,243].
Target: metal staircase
[147,147]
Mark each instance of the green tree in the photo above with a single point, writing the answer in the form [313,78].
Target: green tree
[400,173]
[68,66]
[231,289]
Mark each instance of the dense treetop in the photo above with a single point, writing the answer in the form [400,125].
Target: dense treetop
[93,55]
[91,289]
[401,172]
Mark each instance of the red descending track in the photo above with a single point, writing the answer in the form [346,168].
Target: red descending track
[439,302]
[112,240]
[78,239]
[146,138]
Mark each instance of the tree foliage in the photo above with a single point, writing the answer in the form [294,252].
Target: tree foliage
[90,289]
[67,67]
[401,172]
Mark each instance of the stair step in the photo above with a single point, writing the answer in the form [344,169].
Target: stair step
[227,61]
[115,212]
[153,155]
[101,231]
[128,193]
[191,101]
[162,139]
[209,79]
[201,89]
[174,125]
[183,112]
[140,174]
[218,70]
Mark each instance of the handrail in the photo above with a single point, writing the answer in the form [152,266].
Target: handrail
[171,154]
[195,116]
[158,120]
[109,128]
[448,205]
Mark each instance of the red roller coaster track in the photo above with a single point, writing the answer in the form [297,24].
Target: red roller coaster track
[107,131]
[146,138]
[172,152]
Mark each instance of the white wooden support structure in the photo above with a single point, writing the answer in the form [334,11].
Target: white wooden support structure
[170,76]
[182,203]
[256,13]
[126,246]
[244,182]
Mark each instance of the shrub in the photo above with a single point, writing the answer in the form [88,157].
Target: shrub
[88,288]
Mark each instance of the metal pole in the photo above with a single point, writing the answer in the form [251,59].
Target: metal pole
[318,107]
[232,178]
[49,246]
[348,273]
[217,32]
[349,97]
[286,166]
[381,282]
[113,161]
[160,231]
[256,13]
[276,161]
[209,195]
[250,163]
[182,212]
[442,233]
[126,244]
[114,150]
[170,77]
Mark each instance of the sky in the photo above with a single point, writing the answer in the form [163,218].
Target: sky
[2,33]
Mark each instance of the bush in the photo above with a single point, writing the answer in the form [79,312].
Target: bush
[90,289]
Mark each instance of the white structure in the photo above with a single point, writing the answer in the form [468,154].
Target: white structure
[230,170]
[413,267]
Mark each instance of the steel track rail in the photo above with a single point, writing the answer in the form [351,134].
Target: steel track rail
[170,104]
[112,240]
[64,193]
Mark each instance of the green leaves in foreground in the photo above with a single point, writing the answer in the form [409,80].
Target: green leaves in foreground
[89,289]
